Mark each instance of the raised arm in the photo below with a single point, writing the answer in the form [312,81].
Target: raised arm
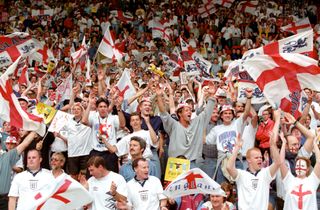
[254,117]
[273,144]
[137,95]
[306,110]
[308,145]
[316,150]
[247,107]
[283,167]
[152,133]
[101,82]
[159,92]
[231,165]
[26,141]
[85,117]
[172,107]
[122,119]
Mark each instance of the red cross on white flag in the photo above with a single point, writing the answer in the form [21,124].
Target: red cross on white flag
[224,3]
[82,51]
[108,48]
[298,26]
[64,193]
[282,77]
[192,182]
[11,110]
[206,9]
[248,7]
[14,45]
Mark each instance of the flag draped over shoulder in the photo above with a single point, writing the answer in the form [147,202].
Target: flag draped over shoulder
[11,110]
[192,182]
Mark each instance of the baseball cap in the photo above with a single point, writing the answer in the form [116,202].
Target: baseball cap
[182,105]
[23,98]
[226,107]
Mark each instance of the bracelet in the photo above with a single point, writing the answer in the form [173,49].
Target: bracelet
[295,122]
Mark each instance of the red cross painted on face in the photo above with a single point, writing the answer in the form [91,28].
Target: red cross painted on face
[300,195]
[191,180]
[301,167]
[57,195]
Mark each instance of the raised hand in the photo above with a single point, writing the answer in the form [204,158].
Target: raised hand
[249,92]
[289,118]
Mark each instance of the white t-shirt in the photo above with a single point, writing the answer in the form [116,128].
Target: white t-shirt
[100,190]
[124,144]
[249,134]
[26,186]
[281,193]
[59,145]
[224,136]
[253,191]
[147,196]
[79,141]
[308,186]
[112,125]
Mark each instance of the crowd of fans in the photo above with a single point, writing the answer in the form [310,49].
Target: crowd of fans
[167,117]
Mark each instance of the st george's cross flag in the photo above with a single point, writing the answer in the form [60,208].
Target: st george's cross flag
[206,9]
[248,7]
[11,110]
[82,51]
[108,48]
[299,43]
[224,3]
[192,182]
[15,45]
[193,61]
[298,26]
[283,76]
[64,193]
[125,17]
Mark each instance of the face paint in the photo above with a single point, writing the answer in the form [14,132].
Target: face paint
[301,168]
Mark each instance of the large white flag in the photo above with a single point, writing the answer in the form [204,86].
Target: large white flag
[63,194]
[126,89]
[11,110]
[298,26]
[192,182]
[108,48]
[282,77]
[83,51]
[15,45]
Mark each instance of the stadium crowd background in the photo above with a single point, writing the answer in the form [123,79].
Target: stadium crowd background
[220,38]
